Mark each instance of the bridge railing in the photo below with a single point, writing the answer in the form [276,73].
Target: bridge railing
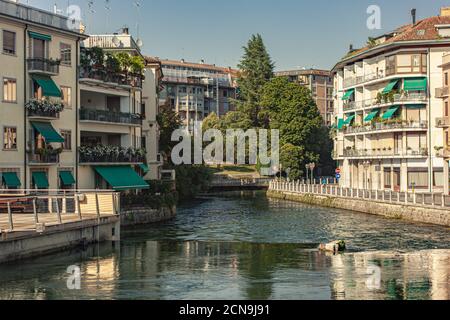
[32,210]
[227,182]
[437,200]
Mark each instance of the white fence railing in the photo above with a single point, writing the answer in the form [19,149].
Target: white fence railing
[386,196]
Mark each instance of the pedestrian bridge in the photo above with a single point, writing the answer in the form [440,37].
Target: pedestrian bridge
[230,184]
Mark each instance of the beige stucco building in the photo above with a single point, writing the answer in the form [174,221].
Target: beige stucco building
[387,111]
[38,110]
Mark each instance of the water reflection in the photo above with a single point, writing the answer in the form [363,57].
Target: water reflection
[229,270]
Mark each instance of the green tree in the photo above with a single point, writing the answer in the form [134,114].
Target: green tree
[212,121]
[291,109]
[256,68]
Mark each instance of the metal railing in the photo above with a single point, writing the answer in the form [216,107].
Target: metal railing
[250,182]
[374,102]
[101,74]
[43,114]
[37,158]
[108,116]
[110,154]
[34,210]
[385,126]
[385,196]
[390,71]
[384,152]
[43,65]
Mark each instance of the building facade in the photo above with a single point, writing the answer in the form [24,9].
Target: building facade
[320,82]
[38,110]
[387,112]
[112,115]
[195,90]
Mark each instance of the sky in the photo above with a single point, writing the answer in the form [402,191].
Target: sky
[297,33]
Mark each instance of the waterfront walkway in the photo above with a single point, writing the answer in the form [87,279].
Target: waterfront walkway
[383,196]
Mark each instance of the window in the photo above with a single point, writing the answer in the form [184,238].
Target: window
[418,178]
[9,138]
[225,93]
[416,60]
[446,113]
[446,79]
[9,90]
[9,42]
[66,54]
[182,90]
[66,96]
[67,144]
[39,48]
[387,179]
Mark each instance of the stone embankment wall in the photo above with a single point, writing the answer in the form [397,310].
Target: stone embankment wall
[141,216]
[417,213]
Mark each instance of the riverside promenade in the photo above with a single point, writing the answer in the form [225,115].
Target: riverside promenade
[38,222]
[416,207]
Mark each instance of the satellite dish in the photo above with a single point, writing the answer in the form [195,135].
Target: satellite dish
[116,41]
[139,43]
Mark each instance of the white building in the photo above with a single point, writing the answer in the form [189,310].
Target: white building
[386,110]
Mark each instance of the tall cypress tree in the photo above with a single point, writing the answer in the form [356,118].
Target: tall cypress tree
[256,69]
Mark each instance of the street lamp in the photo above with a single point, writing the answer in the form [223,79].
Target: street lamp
[366,165]
[307,173]
[312,166]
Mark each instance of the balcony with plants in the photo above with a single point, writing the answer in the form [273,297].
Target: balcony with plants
[111,154]
[118,69]
[44,108]
[43,66]
[45,155]
[385,152]
[386,99]
[379,124]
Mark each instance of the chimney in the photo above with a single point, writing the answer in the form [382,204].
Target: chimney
[413,15]
[125,30]
[445,12]
[202,61]
[350,49]
[182,60]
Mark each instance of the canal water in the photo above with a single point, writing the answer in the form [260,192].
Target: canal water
[245,246]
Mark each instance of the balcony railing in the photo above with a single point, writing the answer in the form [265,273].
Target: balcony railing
[443,122]
[442,92]
[44,158]
[44,108]
[443,153]
[41,65]
[407,125]
[111,154]
[111,117]
[101,74]
[397,98]
[384,152]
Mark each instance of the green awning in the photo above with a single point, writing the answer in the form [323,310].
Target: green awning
[67,178]
[49,87]
[371,115]
[349,119]
[48,132]
[144,168]
[416,84]
[122,178]
[340,124]
[415,106]
[390,86]
[348,94]
[390,113]
[11,179]
[39,36]
[40,180]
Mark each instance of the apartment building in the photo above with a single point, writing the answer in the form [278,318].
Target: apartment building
[388,117]
[195,90]
[112,152]
[38,109]
[320,82]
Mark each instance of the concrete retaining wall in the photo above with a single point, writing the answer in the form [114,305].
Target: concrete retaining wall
[141,216]
[17,246]
[393,211]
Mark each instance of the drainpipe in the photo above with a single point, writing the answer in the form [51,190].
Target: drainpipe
[77,112]
[430,157]
[24,111]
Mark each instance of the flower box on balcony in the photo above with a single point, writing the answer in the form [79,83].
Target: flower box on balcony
[43,108]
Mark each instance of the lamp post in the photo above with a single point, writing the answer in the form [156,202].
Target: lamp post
[312,166]
[366,165]
[307,173]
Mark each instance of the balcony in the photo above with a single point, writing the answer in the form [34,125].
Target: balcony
[442,92]
[419,98]
[443,153]
[102,154]
[110,117]
[382,74]
[44,156]
[384,153]
[388,126]
[45,66]
[43,109]
[103,75]
[443,122]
